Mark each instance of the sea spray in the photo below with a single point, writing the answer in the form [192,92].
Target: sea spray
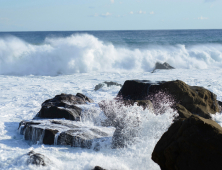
[84,53]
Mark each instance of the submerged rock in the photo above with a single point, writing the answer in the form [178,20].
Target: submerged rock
[165,66]
[63,106]
[107,83]
[64,132]
[191,143]
[37,159]
[98,168]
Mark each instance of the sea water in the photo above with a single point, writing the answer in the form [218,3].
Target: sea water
[36,66]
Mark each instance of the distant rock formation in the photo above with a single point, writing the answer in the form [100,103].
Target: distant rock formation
[191,143]
[159,65]
[107,83]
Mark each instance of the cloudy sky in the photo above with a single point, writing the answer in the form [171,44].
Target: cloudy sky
[62,15]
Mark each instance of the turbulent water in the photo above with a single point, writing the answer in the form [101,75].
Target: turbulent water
[36,66]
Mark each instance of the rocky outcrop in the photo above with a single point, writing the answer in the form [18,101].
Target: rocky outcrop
[193,143]
[165,66]
[37,159]
[98,168]
[63,106]
[196,100]
[64,132]
[106,83]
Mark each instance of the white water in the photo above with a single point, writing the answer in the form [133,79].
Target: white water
[21,98]
[86,54]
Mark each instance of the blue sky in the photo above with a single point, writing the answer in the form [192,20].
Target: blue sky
[62,15]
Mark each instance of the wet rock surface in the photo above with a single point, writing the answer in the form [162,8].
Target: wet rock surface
[37,159]
[64,132]
[193,143]
[106,83]
[63,106]
[196,100]
[165,66]
[98,168]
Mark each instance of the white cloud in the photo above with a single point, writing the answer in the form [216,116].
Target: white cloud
[142,12]
[202,18]
[131,12]
[151,13]
[106,14]
[101,15]
[112,1]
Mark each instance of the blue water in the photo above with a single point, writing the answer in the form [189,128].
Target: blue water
[135,39]
[69,52]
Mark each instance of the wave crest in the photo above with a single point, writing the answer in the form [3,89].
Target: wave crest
[85,53]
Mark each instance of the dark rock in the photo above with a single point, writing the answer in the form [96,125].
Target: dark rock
[37,159]
[193,143]
[135,90]
[98,168]
[165,66]
[220,105]
[196,100]
[63,106]
[84,97]
[182,111]
[107,83]
[64,132]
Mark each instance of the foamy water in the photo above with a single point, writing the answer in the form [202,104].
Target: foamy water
[31,73]
[84,53]
[21,98]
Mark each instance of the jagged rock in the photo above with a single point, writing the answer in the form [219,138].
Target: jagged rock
[84,97]
[182,111]
[37,159]
[196,100]
[63,106]
[98,168]
[165,66]
[64,132]
[136,89]
[107,83]
[220,105]
[193,143]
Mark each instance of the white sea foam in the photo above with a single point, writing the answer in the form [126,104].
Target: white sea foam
[85,53]
[21,98]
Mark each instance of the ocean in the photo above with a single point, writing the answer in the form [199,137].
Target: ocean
[36,66]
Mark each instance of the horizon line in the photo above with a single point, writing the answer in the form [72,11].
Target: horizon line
[114,30]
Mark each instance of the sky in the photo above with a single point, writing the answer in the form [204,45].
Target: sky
[76,15]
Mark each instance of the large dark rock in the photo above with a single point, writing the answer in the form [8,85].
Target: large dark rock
[193,143]
[106,83]
[135,89]
[63,106]
[196,100]
[37,159]
[64,132]
[165,66]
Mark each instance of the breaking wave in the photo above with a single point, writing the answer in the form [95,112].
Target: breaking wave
[85,53]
